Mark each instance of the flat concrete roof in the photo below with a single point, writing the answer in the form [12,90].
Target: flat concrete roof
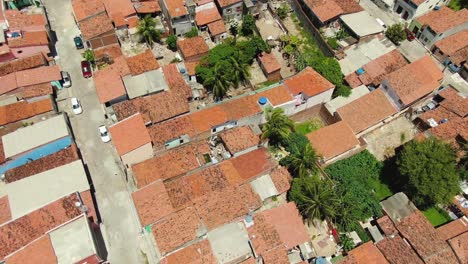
[73,241]
[264,187]
[340,101]
[38,134]
[362,23]
[230,242]
[398,206]
[35,191]
[145,83]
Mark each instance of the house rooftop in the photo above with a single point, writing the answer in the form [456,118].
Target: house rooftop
[397,207]
[396,250]
[415,80]
[326,10]
[226,3]
[281,179]
[333,140]
[95,26]
[308,82]
[146,83]
[453,44]
[365,253]
[239,139]
[129,134]
[204,15]
[386,225]
[217,28]
[108,82]
[38,251]
[269,62]
[33,38]
[362,23]
[454,101]
[86,8]
[23,21]
[119,8]
[230,243]
[176,8]
[276,255]
[35,90]
[148,7]
[366,111]
[21,64]
[444,19]
[143,62]
[453,229]
[340,101]
[23,109]
[112,51]
[29,77]
[176,81]
[190,47]
[458,245]
[252,164]
[449,131]
[263,235]
[152,203]
[197,253]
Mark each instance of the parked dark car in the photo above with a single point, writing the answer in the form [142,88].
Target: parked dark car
[78,42]
[409,35]
[86,69]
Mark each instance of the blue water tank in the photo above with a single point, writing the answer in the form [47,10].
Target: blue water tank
[262,100]
[360,71]
[436,7]
[182,71]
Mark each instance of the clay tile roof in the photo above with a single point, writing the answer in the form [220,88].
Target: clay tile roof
[86,8]
[326,10]
[277,95]
[2,153]
[253,164]
[38,75]
[376,70]
[386,225]
[333,140]
[460,247]
[5,211]
[191,47]
[152,203]
[198,253]
[23,110]
[425,239]
[142,62]
[18,233]
[217,28]
[95,26]
[18,20]
[205,119]
[366,111]
[129,134]
[22,64]
[415,80]
[176,81]
[177,229]
[454,102]
[116,8]
[206,16]
[398,251]
[172,163]
[450,45]
[225,3]
[221,207]
[35,90]
[113,51]
[437,114]
[263,235]
[176,8]
[269,62]
[239,138]
[281,179]
[365,253]
[453,229]
[148,7]
[309,82]
[162,132]
[46,163]
[444,19]
[190,67]
[240,108]
[109,85]
[39,251]
[154,108]
[277,255]
[34,38]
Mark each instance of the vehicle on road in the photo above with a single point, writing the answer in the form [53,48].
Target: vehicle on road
[66,81]
[86,69]
[409,35]
[105,137]
[381,23]
[76,106]
[78,42]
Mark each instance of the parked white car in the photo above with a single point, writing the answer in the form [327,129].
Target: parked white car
[66,79]
[76,106]
[105,137]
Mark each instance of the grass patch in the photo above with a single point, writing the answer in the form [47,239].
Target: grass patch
[308,126]
[337,259]
[265,84]
[458,4]
[436,216]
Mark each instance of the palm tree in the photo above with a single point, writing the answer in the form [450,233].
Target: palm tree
[316,199]
[303,161]
[218,81]
[147,28]
[240,71]
[278,126]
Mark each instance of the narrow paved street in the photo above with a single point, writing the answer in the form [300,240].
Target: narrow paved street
[120,223]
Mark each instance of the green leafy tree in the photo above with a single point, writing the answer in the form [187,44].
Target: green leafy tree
[278,126]
[302,162]
[248,24]
[429,168]
[234,29]
[88,55]
[218,82]
[295,141]
[463,163]
[315,199]
[346,242]
[342,90]
[396,33]
[240,71]
[171,42]
[147,28]
[282,11]
[333,42]
[192,33]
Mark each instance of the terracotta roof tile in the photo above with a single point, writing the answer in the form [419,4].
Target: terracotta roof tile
[191,47]
[117,8]
[309,82]
[5,211]
[154,108]
[444,19]
[34,38]
[450,45]
[365,253]
[353,80]
[22,231]
[38,75]
[95,26]
[146,7]
[438,114]
[239,139]
[386,225]
[269,62]
[240,108]
[263,235]
[142,62]
[46,163]
[23,110]
[226,3]
[198,253]
[190,67]
[36,90]
[86,8]
[176,8]
[39,251]
[415,80]
[177,229]
[152,203]
[454,102]
[108,82]
[162,132]
[250,260]
[206,16]
[8,83]
[22,64]
[217,28]
[460,247]
[366,111]
[113,51]
[18,20]
[2,153]
[450,130]
[281,179]
[333,140]
[253,164]
[205,119]
[129,134]
[176,81]
[453,229]
[398,251]
[277,255]
[326,10]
